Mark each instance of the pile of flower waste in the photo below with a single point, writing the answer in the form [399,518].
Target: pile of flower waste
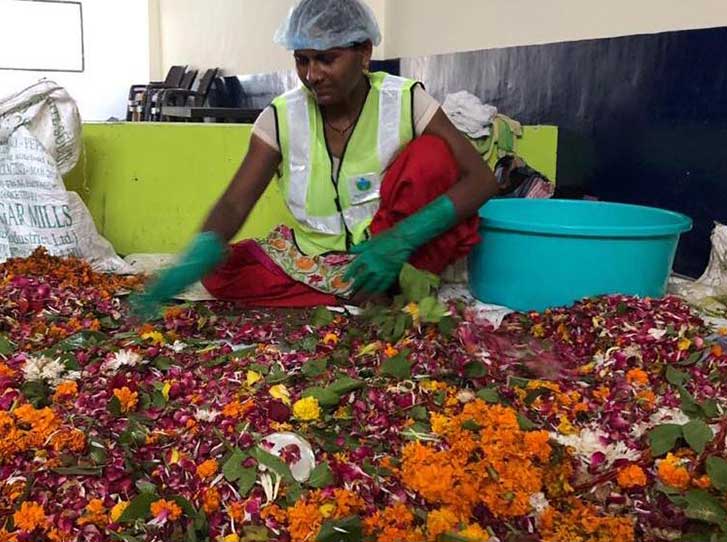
[414,422]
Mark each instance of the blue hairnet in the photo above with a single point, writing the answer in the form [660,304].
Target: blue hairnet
[325,24]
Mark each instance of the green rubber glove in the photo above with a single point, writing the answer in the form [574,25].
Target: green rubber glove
[381,258]
[202,255]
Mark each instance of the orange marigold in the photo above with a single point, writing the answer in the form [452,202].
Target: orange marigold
[207,469]
[236,409]
[637,376]
[582,522]
[30,517]
[165,510]
[672,473]
[441,521]
[236,511]
[95,514]
[631,476]
[211,500]
[6,371]
[65,390]
[127,399]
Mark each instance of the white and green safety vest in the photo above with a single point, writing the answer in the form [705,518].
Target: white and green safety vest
[332,215]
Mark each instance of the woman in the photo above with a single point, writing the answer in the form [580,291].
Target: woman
[371,169]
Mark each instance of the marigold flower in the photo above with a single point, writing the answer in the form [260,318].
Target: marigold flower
[164,511]
[474,533]
[637,376]
[211,500]
[390,351]
[716,351]
[441,521]
[331,339]
[703,482]
[672,473]
[30,517]
[236,409]
[127,399]
[307,409]
[232,537]
[6,371]
[65,390]
[156,337]
[631,476]
[207,469]
[95,514]
[117,510]
[684,344]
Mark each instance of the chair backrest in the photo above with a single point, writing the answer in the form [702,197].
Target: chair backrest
[175,76]
[188,80]
[205,84]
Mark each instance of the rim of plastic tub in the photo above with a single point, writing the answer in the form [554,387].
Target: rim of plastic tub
[681,224]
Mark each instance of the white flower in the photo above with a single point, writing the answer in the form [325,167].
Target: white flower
[590,441]
[206,415]
[657,334]
[178,346]
[539,503]
[43,368]
[661,416]
[123,358]
[465,396]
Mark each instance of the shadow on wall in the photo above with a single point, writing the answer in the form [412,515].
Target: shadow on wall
[642,119]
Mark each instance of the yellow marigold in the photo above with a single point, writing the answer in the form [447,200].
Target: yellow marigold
[307,409]
[211,500]
[117,510]
[474,533]
[538,330]
[166,510]
[330,339]
[684,344]
[236,409]
[280,392]
[65,390]
[672,473]
[127,399]
[637,376]
[154,336]
[413,310]
[207,469]
[95,514]
[327,509]
[252,377]
[631,476]
[232,537]
[441,521]
[30,517]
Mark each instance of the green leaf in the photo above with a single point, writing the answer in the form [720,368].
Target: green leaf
[78,471]
[276,375]
[345,384]
[309,344]
[452,537]
[36,392]
[475,369]
[419,413]
[710,408]
[233,469]
[717,471]
[534,394]
[416,284]
[401,323]
[489,395]
[321,476]
[688,405]
[341,530]
[255,533]
[246,480]
[446,326]
[697,434]
[82,339]
[663,438]
[398,367]
[273,463]
[326,397]
[676,377]
[139,508]
[315,367]
[114,406]
[163,363]
[431,311]
[703,506]
[471,425]
[321,317]
[525,423]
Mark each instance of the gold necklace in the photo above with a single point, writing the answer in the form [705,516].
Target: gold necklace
[339,130]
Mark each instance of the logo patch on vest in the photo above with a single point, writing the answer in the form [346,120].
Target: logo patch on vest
[363,184]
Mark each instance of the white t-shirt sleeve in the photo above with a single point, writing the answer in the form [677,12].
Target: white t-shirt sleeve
[266,128]
[425,106]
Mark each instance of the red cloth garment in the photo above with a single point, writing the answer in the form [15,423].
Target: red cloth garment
[424,170]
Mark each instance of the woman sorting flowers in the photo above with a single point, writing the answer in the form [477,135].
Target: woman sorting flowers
[372,171]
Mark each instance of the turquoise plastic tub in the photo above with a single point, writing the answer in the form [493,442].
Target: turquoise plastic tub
[536,254]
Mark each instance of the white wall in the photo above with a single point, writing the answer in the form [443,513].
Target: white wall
[235,35]
[424,27]
[116,43]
